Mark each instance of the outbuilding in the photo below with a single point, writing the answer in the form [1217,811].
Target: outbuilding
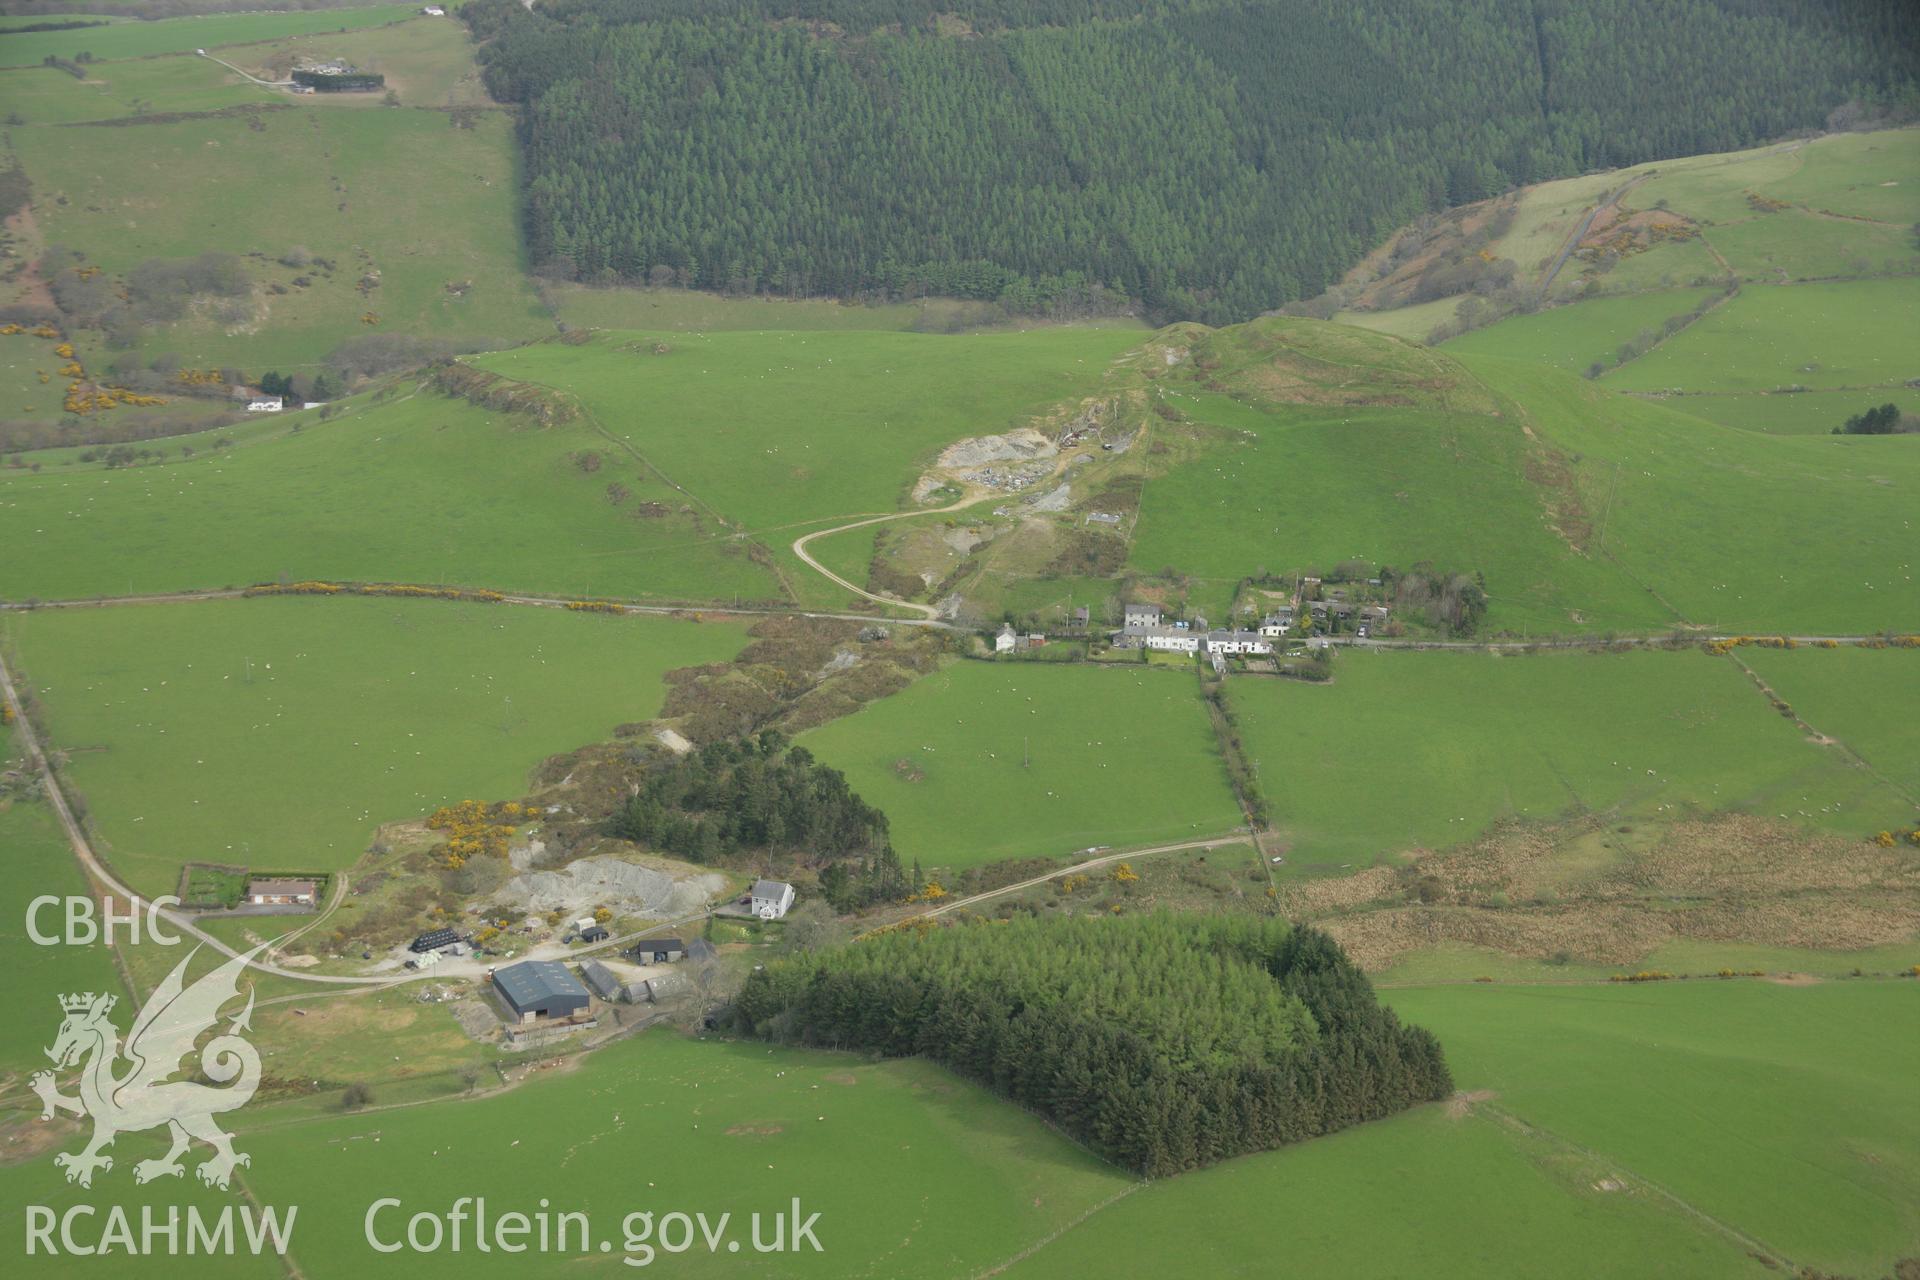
[536,989]
[433,941]
[658,950]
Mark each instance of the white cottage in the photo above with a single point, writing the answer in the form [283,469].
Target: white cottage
[770,899]
[1238,642]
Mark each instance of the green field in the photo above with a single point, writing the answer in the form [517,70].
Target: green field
[1851,204]
[1863,697]
[1573,337]
[46,95]
[914,1172]
[1407,750]
[1630,1132]
[1795,245]
[1813,413]
[38,863]
[687,311]
[424,489]
[415,215]
[1856,334]
[1297,488]
[174,35]
[984,761]
[1778,1111]
[773,429]
[281,732]
[1670,494]
[1858,175]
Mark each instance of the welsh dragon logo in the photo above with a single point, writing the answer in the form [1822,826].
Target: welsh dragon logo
[141,1095]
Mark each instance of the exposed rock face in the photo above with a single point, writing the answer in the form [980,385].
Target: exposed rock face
[628,888]
[1022,445]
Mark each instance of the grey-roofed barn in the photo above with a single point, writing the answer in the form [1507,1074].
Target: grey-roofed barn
[540,989]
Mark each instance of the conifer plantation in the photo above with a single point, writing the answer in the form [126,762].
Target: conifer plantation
[1163,1042]
[1209,160]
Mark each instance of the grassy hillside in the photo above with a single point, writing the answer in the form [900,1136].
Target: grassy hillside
[1833,217]
[39,863]
[773,429]
[1670,1131]
[1777,1111]
[1572,338]
[1294,488]
[424,488]
[1410,750]
[1729,529]
[283,731]
[407,209]
[1851,335]
[985,761]
[351,219]
[173,35]
[1862,698]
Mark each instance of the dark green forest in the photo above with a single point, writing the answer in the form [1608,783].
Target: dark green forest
[1209,159]
[1162,1042]
[748,793]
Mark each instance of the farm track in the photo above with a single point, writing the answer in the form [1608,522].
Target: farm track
[104,877]
[1580,233]
[927,611]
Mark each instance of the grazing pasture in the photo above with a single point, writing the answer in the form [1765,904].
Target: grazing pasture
[116,90]
[1856,334]
[1296,488]
[38,863]
[1863,697]
[1678,504]
[1780,1111]
[914,1172]
[1796,245]
[775,429]
[1813,413]
[404,223]
[983,761]
[1410,750]
[1857,175]
[1478,1197]
[174,35]
[1573,337]
[283,731]
[1659,1130]
[421,489]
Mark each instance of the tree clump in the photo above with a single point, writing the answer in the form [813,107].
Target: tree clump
[1164,1043]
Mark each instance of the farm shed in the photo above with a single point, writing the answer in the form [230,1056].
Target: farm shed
[609,986]
[537,989]
[658,950]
